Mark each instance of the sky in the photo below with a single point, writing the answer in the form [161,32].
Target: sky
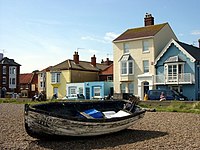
[42,33]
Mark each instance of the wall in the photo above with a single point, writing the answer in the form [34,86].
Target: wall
[65,77]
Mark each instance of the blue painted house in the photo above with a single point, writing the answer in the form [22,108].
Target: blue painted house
[90,90]
[178,68]
[98,90]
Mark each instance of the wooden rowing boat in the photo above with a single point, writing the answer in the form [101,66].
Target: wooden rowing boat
[88,118]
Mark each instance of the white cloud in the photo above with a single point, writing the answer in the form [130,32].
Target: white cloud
[181,34]
[195,32]
[109,36]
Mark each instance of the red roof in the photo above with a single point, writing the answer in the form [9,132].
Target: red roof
[27,78]
[107,71]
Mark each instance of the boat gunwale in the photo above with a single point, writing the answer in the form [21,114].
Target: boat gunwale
[29,107]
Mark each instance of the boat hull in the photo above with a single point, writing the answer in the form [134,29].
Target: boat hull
[38,124]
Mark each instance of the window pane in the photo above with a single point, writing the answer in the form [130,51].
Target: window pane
[131,88]
[123,88]
[146,66]
[126,48]
[4,69]
[130,67]
[124,67]
[145,46]
[96,91]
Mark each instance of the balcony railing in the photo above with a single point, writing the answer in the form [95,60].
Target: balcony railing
[183,78]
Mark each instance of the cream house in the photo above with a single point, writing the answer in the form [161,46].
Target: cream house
[134,52]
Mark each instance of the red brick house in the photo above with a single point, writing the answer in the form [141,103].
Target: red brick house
[9,76]
[106,74]
[29,84]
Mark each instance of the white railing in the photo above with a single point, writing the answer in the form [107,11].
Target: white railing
[183,78]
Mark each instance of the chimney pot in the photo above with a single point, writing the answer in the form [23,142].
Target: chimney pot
[93,61]
[148,20]
[76,57]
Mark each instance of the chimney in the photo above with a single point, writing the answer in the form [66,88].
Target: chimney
[76,57]
[107,61]
[93,61]
[199,43]
[148,20]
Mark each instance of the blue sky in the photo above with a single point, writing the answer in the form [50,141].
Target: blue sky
[41,33]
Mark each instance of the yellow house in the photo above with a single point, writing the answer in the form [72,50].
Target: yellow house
[71,71]
[134,52]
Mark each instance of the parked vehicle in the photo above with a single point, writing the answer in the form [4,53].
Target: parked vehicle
[169,95]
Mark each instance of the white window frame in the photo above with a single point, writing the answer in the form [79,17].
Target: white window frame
[173,75]
[131,87]
[97,92]
[72,91]
[55,77]
[145,66]
[145,44]
[123,87]
[4,69]
[126,69]
[126,48]
[4,80]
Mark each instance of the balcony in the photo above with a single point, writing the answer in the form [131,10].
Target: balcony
[184,78]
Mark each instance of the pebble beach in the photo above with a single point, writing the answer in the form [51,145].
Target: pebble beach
[156,131]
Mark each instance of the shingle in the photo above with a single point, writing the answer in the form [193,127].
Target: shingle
[140,32]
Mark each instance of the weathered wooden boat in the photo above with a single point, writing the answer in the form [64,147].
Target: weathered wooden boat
[88,118]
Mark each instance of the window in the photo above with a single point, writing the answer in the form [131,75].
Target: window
[126,67]
[72,91]
[12,81]
[55,77]
[109,78]
[12,70]
[4,69]
[174,71]
[97,91]
[146,46]
[145,66]
[41,84]
[123,88]
[131,87]
[80,90]
[126,48]
[4,80]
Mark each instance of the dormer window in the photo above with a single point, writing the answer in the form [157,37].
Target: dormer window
[126,48]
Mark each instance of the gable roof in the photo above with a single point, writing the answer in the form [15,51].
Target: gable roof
[27,78]
[141,32]
[192,52]
[83,65]
[7,61]
[107,71]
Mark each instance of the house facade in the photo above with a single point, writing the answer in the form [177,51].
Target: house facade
[90,90]
[28,84]
[178,68]
[134,52]
[71,71]
[42,80]
[9,76]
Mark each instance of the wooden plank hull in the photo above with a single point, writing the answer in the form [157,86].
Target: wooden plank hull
[38,123]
